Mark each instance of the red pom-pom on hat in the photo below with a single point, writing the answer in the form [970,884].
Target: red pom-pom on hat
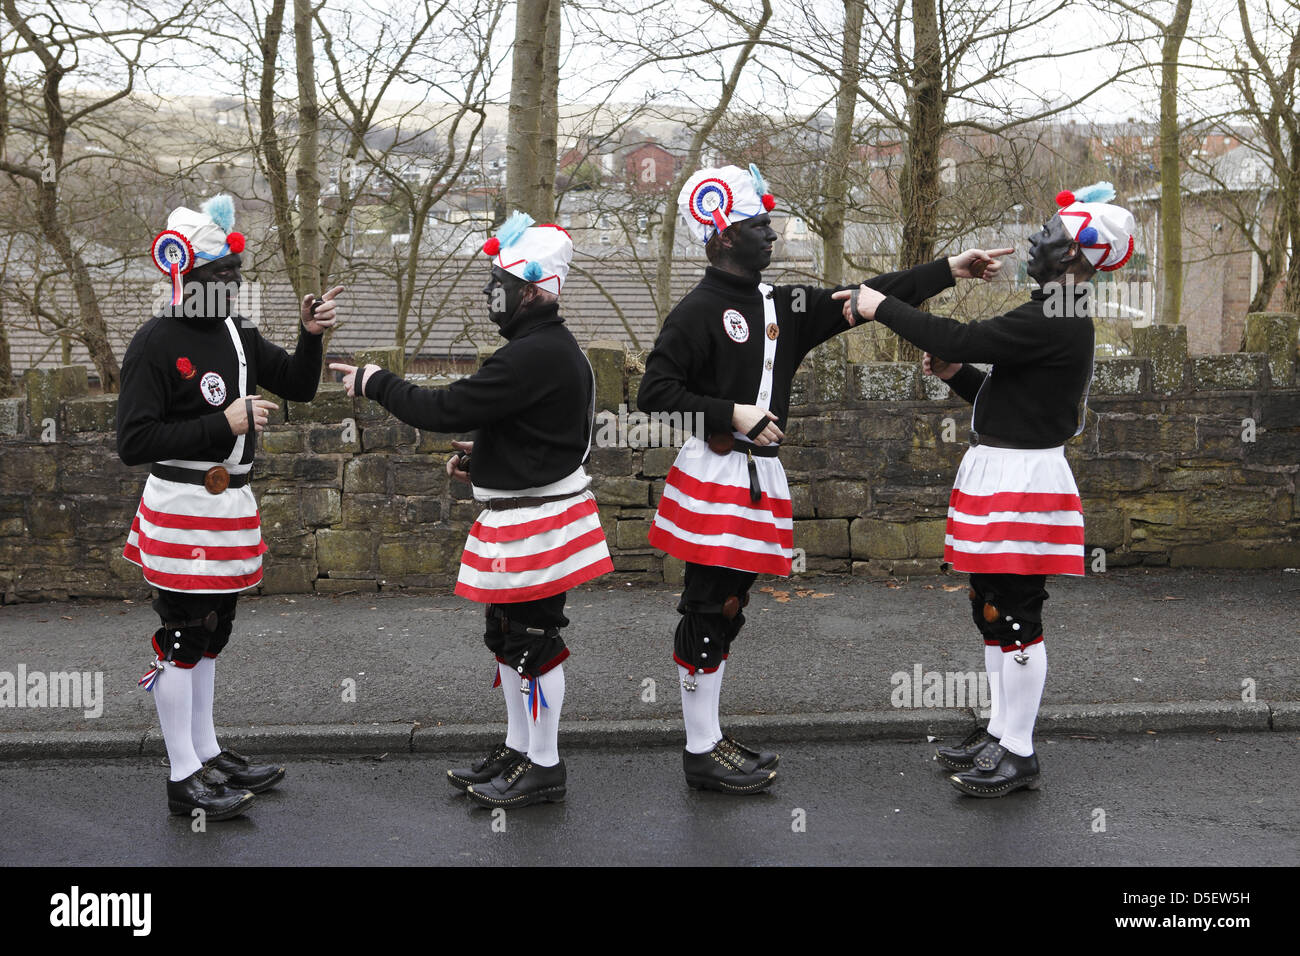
[235,241]
[492,246]
[769,201]
[1064,197]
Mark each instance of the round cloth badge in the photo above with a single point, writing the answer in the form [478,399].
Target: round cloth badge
[213,388]
[734,324]
[711,203]
[174,256]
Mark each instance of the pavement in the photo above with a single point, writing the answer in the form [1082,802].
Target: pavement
[826,658]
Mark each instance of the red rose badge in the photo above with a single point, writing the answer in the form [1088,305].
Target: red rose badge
[185,367]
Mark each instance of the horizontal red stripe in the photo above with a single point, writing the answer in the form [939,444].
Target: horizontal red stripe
[728,494]
[170,549]
[201,582]
[1014,501]
[526,529]
[535,592]
[702,670]
[199,522]
[532,562]
[1007,649]
[698,523]
[1014,563]
[718,556]
[1016,531]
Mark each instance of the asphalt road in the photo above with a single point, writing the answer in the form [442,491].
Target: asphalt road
[1173,800]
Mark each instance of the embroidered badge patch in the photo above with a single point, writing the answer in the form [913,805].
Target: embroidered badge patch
[736,327]
[213,388]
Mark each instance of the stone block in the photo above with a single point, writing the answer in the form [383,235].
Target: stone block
[1235,371]
[331,404]
[935,389]
[1119,376]
[610,461]
[874,539]
[826,537]
[1237,554]
[333,439]
[418,476]
[392,358]
[275,416]
[801,501]
[47,518]
[389,436]
[47,388]
[288,577]
[841,499]
[1166,347]
[886,381]
[11,416]
[283,440]
[631,535]
[366,475]
[656,462]
[94,413]
[828,367]
[929,537]
[609,361]
[321,506]
[344,552]
[1276,335]
[280,512]
[1103,527]
[337,585]
[622,491]
[423,554]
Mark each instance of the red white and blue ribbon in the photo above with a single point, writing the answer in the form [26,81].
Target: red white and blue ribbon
[174,256]
[536,697]
[151,675]
[711,203]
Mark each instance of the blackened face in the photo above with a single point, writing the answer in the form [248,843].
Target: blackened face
[752,241]
[218,283]
[1049,252]
[505,294]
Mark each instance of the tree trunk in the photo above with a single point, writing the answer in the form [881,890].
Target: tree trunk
[1288,204]
[6,362]
[919,183]
[277,173]
[308,158]
[837,163]
[1171,199]
[548,134]
[529,84]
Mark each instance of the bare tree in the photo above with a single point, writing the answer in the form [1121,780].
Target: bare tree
[534,112]
[49,48]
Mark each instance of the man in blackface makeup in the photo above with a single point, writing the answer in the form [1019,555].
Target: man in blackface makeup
[539,535]
[727,355]
[1014,516]
[189,408]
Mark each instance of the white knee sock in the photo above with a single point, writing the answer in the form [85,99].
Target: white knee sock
[202,732]
[516,709]
[173,695]
[997,693]
[544,732]
[717,701]
[1023,686]
[700,710]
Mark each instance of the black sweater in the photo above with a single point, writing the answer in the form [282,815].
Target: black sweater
[530,401]
[1042,363]
[161,414]
[697,367]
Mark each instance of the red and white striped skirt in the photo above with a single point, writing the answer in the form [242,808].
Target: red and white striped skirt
[1015,511]
[706,516]
[188,540]
[526,554]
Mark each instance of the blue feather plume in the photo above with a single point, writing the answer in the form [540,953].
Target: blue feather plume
[1097,192]
[221,209]
[513,228]
[759,183]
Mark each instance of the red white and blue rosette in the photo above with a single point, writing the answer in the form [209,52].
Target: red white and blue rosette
[711,202]
[174,256]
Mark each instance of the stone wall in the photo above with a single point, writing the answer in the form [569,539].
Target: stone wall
[1185,462]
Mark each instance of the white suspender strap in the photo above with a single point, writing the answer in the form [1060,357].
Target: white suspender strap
[769,348]
[237,452]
